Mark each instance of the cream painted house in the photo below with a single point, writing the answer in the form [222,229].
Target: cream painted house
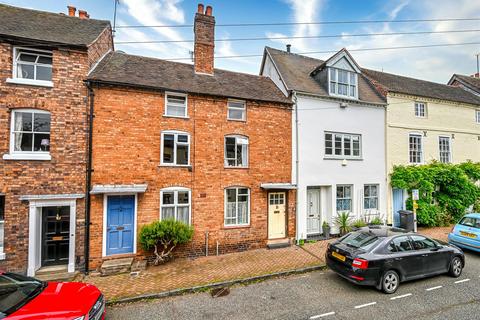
[425,121]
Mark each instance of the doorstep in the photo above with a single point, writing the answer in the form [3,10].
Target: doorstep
[115,266]
[278,243]
[55,273]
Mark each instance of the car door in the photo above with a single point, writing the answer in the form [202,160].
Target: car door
[402,257]
[434,257]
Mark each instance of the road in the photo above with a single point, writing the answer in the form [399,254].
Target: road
[323,295]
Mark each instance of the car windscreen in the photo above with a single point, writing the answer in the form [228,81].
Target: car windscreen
[15,291]
[360,240]
[470,222]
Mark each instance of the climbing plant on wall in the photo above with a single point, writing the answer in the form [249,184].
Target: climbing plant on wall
[446,190]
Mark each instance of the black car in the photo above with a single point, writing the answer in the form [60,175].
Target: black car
[383,257]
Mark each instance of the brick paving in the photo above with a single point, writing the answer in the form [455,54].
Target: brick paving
[185,273]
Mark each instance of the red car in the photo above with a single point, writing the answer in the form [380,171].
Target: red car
[31,299]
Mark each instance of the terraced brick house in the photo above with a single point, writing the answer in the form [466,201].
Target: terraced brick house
[426,121]
[205,146]
[44,58]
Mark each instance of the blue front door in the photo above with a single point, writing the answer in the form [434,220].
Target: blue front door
[398,204]
[120,224]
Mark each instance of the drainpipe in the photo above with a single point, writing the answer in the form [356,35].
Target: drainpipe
[296,164]
[91,96]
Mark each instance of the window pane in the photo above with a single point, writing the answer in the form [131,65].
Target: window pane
[168,142]
[422,243]
[45,60]
[353,78]
[168,198]
[243,211]
[231,195]
[333,87]
[347,145]
[338,144]
[27,57]
[177,111]
[23,121]
[44,73]
[176,99]
[25,71]
[41,142]
[182,138]
[353,90]
[23,141]
[182,197]
[182,154]
[182,214]
[2,208]
[168,213]
[41,122]
[230,151]
[333,75]
[236,114]
[400,244]
[356,145]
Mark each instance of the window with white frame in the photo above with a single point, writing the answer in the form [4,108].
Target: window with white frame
[420,109]
[2,221]
[477,116]
[342,145]
[236,151]
[32,64]
[236,110]
[370,196]
[237,206]
[343,83]
[175,148]
[344,198]
[444,149]
[176,105]
[30,131]
[175,204]
[415,148]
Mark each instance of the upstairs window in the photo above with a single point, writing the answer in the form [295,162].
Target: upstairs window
[415,148]
[477,116]
[444,149]
[236,151]
[420,109]
[175,204]
[175,148]
[30,131]
[342,145]
[176,105]
[343,83]
[32,64]
[237,110]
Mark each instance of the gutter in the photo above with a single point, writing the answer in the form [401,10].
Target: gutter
[296,164]
[89,170]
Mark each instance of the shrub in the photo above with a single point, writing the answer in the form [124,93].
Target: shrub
[359,224]
[163,236]
[376,221]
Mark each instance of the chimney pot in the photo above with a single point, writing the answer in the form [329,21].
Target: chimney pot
[200,8]
[82,14]
[209,11]
[71,11]
[289,46]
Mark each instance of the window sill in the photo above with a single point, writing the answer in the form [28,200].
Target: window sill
[167,165]
[231,167]
[237,120]
[342,158]
[240,226]
[27,156]
[30,82]
[176,117]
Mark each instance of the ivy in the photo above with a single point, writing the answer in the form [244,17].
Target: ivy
[446,190]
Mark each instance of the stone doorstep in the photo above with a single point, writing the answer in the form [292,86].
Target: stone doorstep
[278,243]
[115,266]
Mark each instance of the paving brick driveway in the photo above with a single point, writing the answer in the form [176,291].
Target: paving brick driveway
[185,273]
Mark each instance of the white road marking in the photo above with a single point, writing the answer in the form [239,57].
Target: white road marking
[400,297]
[464,280]
[322,315]
[434,288]
[365,305]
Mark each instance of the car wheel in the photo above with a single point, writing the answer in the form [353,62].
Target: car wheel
[390,282]
[456,267]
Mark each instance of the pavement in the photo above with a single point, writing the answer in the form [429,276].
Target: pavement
[323,295]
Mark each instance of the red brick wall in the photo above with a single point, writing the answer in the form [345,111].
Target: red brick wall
[126,139]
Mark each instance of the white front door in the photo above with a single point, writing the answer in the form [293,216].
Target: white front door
[313,211]
[276,215]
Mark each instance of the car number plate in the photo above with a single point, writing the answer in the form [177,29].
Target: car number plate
[467,234]
[338,256]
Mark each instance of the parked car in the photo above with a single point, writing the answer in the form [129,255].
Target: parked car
[28,298]
[466,233]
[383,257]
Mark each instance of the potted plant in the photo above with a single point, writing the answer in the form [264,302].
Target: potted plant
[375,222]
[358,224]
[342,220]
[326,229]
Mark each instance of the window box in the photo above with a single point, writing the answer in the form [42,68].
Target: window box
[236,110]
[176,105]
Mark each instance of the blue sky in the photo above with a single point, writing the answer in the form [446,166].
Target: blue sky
[436,64]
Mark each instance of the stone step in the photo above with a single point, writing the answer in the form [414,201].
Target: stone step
[57,277]
[115,266]
[278,243]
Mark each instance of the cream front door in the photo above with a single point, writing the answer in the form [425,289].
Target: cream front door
[276,215]
[313,211]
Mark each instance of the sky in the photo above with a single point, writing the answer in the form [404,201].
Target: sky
[434,64]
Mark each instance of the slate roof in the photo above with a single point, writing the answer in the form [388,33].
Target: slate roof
[422,88]
[473,83]
[295,71]
[47,27]
[124,69]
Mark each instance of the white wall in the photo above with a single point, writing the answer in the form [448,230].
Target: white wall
[317,115]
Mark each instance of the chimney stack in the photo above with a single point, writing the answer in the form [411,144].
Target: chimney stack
[204,30]
[82,14]
[289,46]
[71,11]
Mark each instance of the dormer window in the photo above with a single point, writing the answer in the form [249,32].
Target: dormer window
[343,83]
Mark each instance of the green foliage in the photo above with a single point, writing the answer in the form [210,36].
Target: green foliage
[446,190]
[342,220]
[376,221]
[359,224]
[163,236]
[325,224]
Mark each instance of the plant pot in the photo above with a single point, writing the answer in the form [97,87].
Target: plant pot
[326,232]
